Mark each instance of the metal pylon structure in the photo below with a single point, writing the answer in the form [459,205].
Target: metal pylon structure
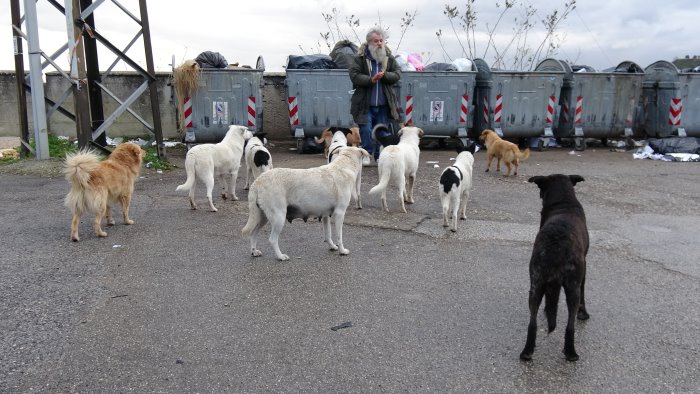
[84,75]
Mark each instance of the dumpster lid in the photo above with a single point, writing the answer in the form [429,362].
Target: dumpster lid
[628,67]
[662,74]
[260,64]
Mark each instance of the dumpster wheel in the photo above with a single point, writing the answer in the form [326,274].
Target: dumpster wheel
[579,144]
[300,144]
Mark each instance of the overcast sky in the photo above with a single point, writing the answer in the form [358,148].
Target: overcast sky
[598,33]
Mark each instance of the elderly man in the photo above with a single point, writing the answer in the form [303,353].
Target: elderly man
[373,73]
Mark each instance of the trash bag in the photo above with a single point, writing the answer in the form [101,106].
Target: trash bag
[463,64]
[416,60]
[209,59]
[310,146]
[440,67]
[675,145]
[343,53]
[403,64]
[310,62]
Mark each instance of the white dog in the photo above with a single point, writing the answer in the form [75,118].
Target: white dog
[455,184]
[399,163]
[222,160]
[289,193]
[257,160]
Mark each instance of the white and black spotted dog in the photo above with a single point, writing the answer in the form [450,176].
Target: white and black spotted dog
[257,159]
[455,184]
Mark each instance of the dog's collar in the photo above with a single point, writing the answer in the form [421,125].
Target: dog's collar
[330,153]
[460,172]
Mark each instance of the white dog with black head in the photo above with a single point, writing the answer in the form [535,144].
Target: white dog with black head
[455,184]
[257,159]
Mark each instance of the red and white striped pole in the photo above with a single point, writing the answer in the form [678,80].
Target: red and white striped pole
[293,111]
[579,110]
[565,108]
[550,111]
[486,111]
[463,109]
[409,110]
[498,111]
[187,111]
[675,111]
[251,112]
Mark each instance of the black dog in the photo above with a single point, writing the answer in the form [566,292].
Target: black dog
[558,259]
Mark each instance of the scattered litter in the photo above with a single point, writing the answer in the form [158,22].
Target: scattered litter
[178,361]
[432,162]
[120,295]
[149,164]
[572,152]
[436,166]
[116,246]
[648,153]
[159,171]
[453,158]
[344,325]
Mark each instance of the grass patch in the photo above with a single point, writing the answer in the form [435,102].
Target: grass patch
[153,161]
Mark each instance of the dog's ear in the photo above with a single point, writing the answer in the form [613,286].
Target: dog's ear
[538,180]
[471,148]
[576,179]
[400,133]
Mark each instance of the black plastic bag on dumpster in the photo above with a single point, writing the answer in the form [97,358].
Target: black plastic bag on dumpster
[675,145]
[343,52]
[209,59]
[440,67]
[310,146]
[310,62]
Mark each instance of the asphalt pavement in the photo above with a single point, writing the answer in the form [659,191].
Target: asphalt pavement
[175,303]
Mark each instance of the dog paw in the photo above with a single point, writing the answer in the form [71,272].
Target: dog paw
[111,222]
[582,315]
[213,209]
[256,253]
[102,234]
[454,230]
[571,356]
[332,246]
[283,257]
[128,221]
[526,356]
[75,239]
[344,252]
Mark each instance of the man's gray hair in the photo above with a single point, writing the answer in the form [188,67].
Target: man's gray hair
[377,30]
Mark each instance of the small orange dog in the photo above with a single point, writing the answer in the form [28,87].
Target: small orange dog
[500,149]
[352,134]
[95,185]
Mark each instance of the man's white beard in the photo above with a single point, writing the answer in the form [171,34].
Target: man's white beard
[379,54]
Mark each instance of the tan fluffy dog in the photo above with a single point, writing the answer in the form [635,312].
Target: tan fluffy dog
[501,149]
[95,185]
[352,134]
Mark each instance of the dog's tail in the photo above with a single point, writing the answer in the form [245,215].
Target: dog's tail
[78,167]
[320,140]
[254,211]
[524,154]
[551,302]
[190,170]
[383,182]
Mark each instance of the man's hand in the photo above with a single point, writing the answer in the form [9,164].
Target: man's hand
[377,76]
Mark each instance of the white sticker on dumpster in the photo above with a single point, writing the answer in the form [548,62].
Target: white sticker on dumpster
[219,112]
[437,110]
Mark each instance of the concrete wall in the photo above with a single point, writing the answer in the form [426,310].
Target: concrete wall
[122,84]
